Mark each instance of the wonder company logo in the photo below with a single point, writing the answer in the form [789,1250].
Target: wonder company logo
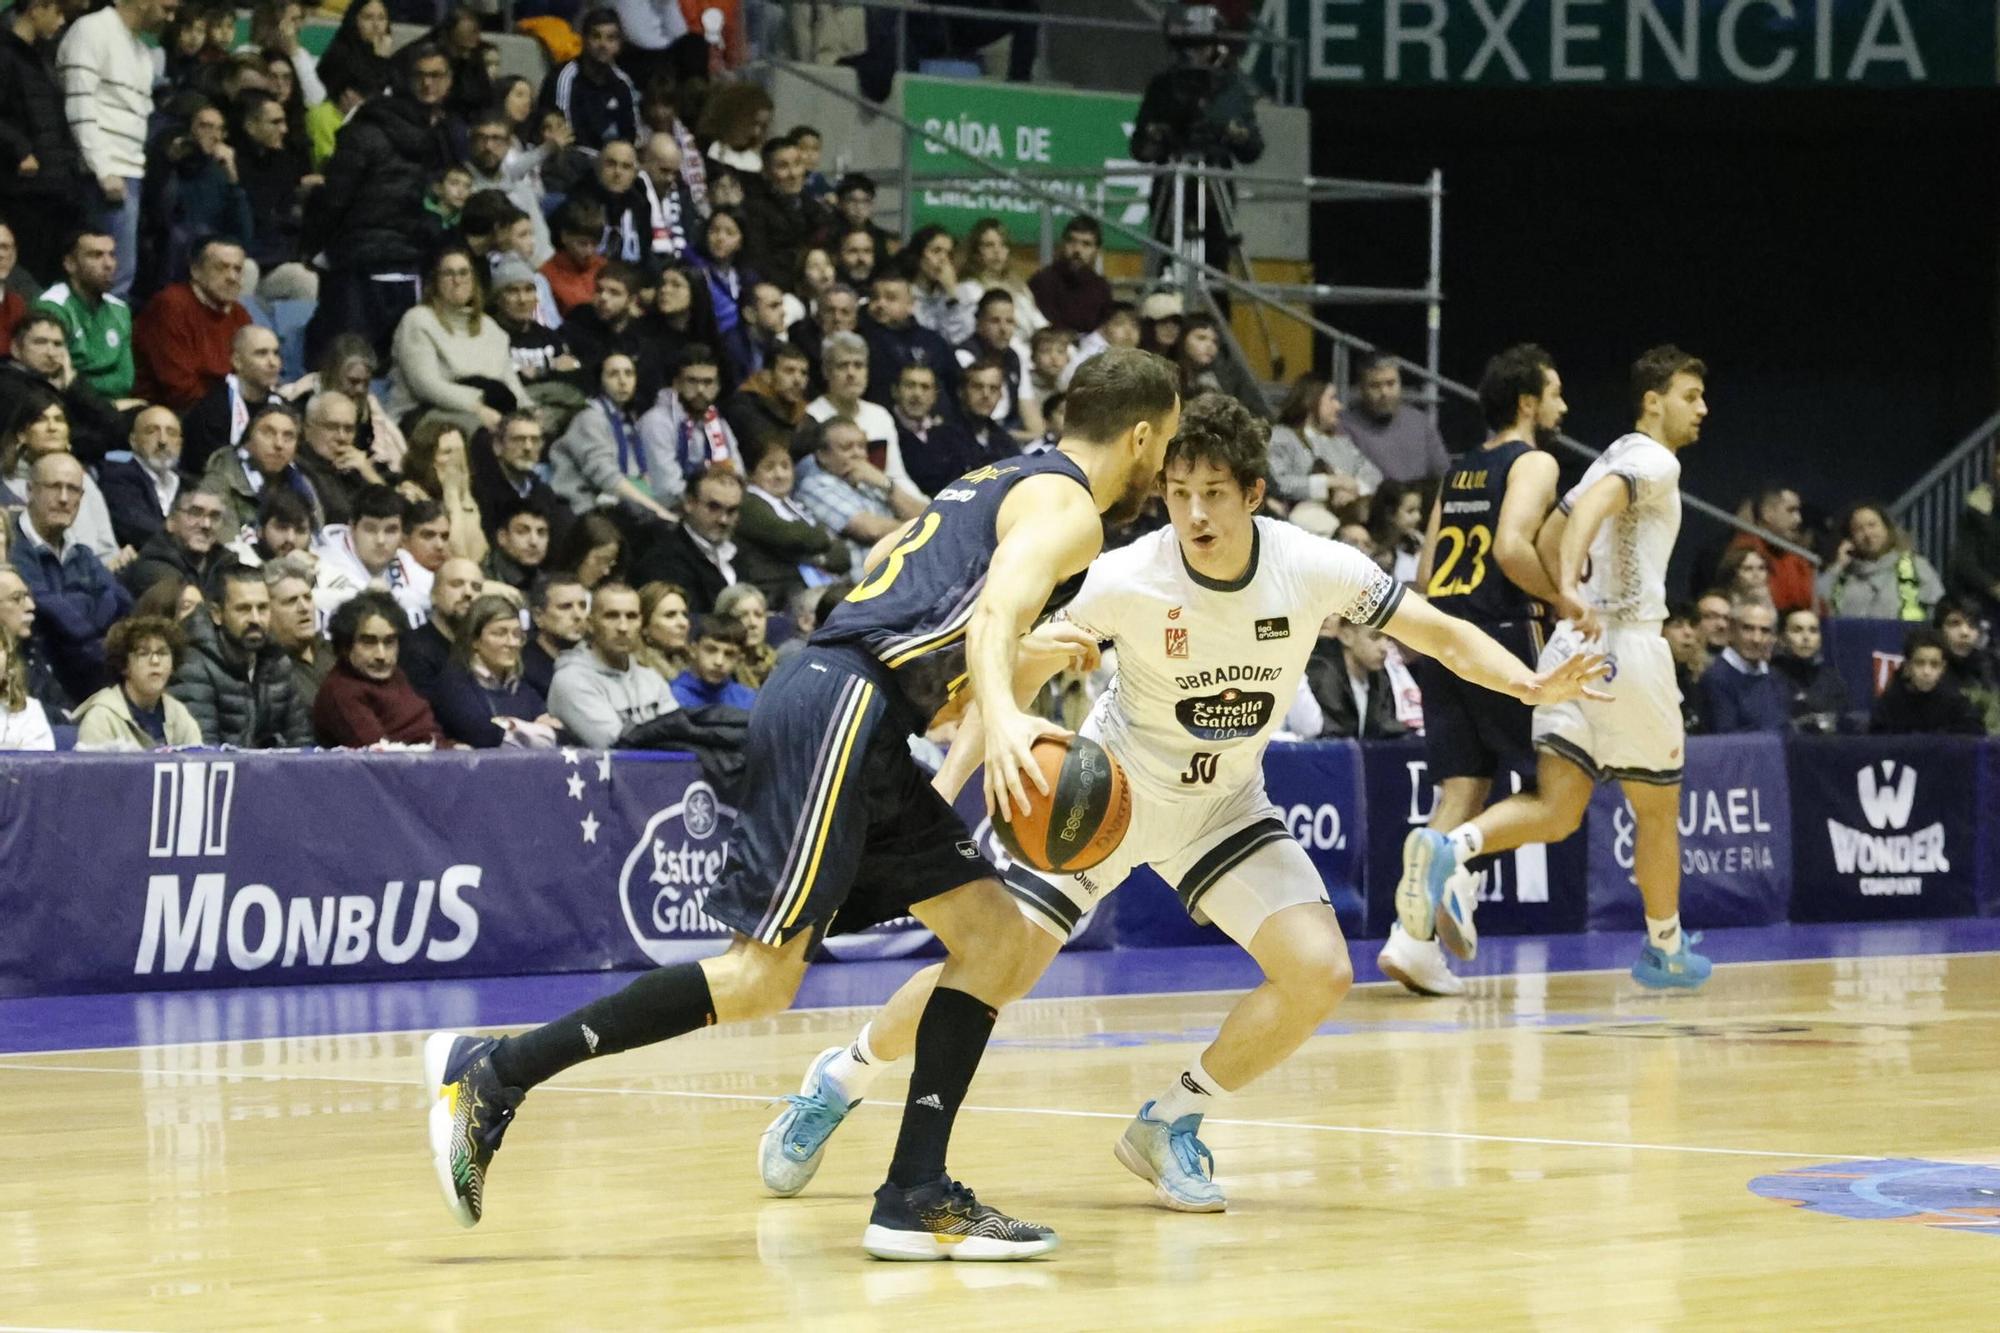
[669,871]
[1891,862]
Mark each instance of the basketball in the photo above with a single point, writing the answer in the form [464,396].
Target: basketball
[1083,818]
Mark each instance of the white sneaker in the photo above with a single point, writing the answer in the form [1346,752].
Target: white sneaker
[1418,964]
[1455,927]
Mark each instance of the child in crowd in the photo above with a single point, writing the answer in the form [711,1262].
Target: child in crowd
[718,651]
[1921,700]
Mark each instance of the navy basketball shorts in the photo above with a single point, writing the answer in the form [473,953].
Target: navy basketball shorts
[838,827]
[1471,731]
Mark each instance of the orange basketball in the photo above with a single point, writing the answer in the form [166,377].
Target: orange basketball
[1082,819]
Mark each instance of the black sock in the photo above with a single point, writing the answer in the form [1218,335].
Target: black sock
[661,1004]
[951,1036]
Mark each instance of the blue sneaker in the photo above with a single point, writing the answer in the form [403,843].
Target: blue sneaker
[1683,970]
[1180,1165]
[1428,860]
[789,1152]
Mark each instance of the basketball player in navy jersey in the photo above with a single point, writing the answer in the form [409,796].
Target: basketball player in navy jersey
[838,828]
[1480,564]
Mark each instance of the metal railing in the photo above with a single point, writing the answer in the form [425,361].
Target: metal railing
[1102,189]
[1288,53]
[1344,344]
[1930,509]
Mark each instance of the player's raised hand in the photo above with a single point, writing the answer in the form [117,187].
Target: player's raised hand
[1570,680]
[1010,744]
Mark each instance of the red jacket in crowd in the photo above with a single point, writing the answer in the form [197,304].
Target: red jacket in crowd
[181,344]
[352,710]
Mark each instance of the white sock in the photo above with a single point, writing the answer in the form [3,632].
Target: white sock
[1664,932]
[1466,841]
[1195,1092]
[855,1069]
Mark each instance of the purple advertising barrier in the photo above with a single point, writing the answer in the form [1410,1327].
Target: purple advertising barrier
[1532,890]
[1988,889]
[140,872]
[1735,838]
[1885,827]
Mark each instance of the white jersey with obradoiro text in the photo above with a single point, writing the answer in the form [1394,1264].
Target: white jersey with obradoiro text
[1207,669]
[1628,558]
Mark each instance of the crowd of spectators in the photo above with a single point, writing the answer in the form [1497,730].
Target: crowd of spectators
[381,398]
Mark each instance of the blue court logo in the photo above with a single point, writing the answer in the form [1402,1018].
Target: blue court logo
[1955,1196]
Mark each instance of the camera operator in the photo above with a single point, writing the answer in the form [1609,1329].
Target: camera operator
[1202,112]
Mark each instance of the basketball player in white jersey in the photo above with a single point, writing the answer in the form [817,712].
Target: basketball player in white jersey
[1213,620]
[1624,515]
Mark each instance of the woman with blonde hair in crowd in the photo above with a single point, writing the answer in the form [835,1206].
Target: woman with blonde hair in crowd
[482,697]
[664,627]
[137,713]
[450,359]
[989,267]
[438,468]
[23,724]
[744,603]
[1875,574]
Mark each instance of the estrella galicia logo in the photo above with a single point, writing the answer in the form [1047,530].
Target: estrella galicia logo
[1226,716]
[669,871]
[1277,627]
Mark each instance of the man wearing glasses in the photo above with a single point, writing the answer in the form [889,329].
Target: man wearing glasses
[699,554]
[188,547]
[337,468]
[76,598]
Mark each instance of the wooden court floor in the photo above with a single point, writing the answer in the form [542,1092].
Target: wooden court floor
[1558,1152]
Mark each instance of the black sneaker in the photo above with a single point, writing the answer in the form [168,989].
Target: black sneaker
[471,1111]
[941,1220]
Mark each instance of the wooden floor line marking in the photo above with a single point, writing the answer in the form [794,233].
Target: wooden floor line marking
[272,1076]
[1032,999]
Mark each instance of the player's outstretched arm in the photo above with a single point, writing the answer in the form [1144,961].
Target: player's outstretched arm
[1048,530]
[1469,652]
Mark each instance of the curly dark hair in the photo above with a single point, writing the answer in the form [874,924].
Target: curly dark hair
[135,632]
[1519,372]
[346,622]
[1215,428]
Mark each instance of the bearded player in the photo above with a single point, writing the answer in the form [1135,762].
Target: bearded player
[1213,620]
[838,828]
[1608,542]
[1480,563]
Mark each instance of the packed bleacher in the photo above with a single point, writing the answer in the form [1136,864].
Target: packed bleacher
[383,397]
